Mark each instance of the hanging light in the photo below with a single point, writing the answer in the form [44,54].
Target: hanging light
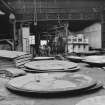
[46,9]
[12,16]
[35,13]
[2,13]
[58,17]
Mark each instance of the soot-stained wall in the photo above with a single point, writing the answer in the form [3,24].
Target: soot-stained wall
[93,33]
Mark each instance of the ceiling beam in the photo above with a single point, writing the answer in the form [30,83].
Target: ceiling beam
[5,7]
[49,10]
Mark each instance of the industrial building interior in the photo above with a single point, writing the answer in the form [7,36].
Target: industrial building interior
[29,14]
[52,52]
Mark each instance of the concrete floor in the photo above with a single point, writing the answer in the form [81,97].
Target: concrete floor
[7,96]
